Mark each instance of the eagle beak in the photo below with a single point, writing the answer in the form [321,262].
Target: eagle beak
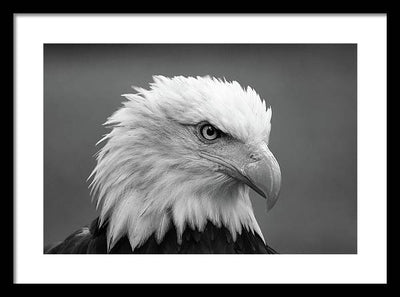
[263,176]
[260,172]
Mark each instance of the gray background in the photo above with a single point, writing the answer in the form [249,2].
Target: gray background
[313,92]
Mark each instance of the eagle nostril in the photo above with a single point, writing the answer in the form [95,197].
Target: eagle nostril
[255,157]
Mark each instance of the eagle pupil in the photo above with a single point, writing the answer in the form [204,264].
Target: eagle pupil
[210,131]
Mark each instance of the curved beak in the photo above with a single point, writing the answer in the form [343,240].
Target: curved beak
[261,173]
[264,177]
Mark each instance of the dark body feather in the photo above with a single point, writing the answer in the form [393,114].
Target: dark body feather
[212,240]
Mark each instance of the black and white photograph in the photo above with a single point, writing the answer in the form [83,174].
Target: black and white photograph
[217,148]
[200,148]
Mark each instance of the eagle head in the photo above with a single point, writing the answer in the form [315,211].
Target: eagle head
[184,152]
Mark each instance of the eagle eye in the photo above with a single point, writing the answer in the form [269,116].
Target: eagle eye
[209,132]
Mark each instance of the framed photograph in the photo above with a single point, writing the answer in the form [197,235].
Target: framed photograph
[236,144]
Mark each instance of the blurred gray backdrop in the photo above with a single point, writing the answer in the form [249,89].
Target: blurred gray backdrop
[312,89]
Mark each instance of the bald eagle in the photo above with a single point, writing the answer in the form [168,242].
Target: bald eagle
[175,171]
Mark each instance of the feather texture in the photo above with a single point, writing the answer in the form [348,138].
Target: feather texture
[154,190]
[149,174]
[212,240]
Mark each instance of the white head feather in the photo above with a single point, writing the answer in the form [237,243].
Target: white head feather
[148,174]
